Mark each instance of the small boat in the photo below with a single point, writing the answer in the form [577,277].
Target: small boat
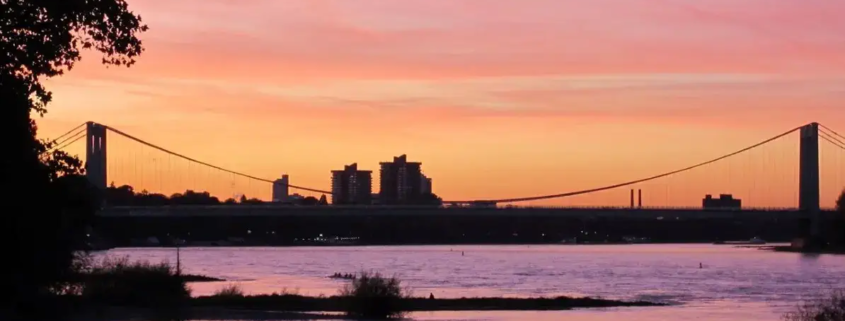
[756,240]
[342,276]
[752,241]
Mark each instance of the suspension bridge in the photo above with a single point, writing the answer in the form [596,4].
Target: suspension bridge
[764,178]
[793,175]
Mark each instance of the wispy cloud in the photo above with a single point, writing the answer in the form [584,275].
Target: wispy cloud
[458,82]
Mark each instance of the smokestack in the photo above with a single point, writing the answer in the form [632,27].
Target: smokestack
[632,198]
[640,198]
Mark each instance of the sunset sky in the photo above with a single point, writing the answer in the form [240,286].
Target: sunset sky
[496,98]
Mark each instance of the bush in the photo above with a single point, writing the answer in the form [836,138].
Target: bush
[119,282]
[73,282]
[229,291]
[371,295]
[830,308]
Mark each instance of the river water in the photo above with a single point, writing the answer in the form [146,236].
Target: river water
[734,283]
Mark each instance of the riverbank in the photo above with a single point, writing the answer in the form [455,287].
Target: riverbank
[295,307]
[199,278]
[133,314]
[297,303]
[791,249]
[412,244]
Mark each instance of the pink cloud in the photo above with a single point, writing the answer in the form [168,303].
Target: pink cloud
[463,82]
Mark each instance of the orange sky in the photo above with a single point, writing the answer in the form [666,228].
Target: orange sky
[496,98]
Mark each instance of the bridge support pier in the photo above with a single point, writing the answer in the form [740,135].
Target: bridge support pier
[95,155]
[808,185]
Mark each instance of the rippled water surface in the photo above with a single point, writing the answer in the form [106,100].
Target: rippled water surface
[734,283]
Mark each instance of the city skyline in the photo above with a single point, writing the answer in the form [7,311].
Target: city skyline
[558,86]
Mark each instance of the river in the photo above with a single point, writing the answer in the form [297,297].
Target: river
[734,283]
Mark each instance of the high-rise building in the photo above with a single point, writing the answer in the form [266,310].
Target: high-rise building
[401,181]
[352,186]
[281,189]
[425,185]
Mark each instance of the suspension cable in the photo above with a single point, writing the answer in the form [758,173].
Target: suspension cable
[832,131]
[826,136]
[604,188]
[69,141]
[66,142]
[68,132]
[842,146]
[830,136]
[59,141]
[141,141]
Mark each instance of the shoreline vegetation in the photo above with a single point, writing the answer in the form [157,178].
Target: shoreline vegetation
[199,278]
[117,289]
[299,303]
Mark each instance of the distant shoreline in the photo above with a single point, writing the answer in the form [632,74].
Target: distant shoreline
[789,249]
[409,244]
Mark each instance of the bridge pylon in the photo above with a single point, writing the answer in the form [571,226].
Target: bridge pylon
[95,155]
[808,185]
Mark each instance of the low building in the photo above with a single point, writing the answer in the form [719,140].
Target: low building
[725,201]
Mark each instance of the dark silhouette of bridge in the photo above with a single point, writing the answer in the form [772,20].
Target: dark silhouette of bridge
[97,165]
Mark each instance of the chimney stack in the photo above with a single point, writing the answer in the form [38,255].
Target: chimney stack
[640,198]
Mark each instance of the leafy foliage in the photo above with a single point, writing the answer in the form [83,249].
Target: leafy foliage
[840,203]
[229,291]
[830,308]
[121,282]
[51,203]
[371,295]
[44,38]
[125,195]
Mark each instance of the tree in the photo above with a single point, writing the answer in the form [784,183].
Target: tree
[40,39]
[840,203]
[309,201]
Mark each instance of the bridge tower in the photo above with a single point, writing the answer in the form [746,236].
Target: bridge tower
[808,185]
[95,155]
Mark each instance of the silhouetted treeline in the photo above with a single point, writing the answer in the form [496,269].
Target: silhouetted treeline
[837,236]
[126,195]
[49,204]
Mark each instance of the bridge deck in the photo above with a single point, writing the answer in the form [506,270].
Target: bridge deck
[275,210]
